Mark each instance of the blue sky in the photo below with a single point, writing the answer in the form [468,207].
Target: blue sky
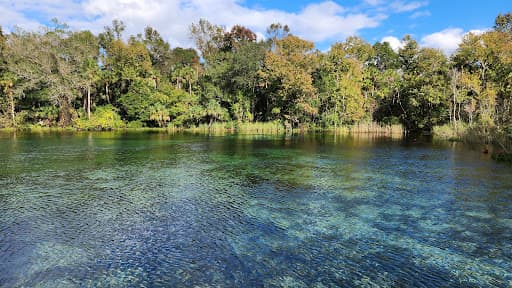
[434,23]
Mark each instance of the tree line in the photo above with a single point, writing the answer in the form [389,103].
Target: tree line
[60,77]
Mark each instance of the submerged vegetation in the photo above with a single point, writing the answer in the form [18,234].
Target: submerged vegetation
[116,209]
[59,77]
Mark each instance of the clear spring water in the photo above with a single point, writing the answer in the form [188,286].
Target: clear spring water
[156,209]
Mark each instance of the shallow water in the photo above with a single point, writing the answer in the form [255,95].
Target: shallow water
[156,209]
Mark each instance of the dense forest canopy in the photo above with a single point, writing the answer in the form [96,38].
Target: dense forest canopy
[60,77]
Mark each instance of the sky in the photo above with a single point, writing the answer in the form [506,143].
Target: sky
[433,23]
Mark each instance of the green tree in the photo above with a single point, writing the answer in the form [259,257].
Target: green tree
[185,75]
[142,99]
[487,60]
[160,114]
[287,74]
[234,69]
[185,110]
[181,57]
[380,84]
[159,51]
[47,60]
[22,71]
[424,87]
[5,82]
[85,47]
[209,38]
[341,78]
[503,23]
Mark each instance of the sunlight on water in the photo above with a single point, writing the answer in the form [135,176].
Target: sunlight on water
[150,209]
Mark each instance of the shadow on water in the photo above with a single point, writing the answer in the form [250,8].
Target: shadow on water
[308,210]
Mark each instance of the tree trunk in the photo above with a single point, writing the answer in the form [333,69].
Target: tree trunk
[65,114]
[336,112]
[460,108]
[89,102]
[13,111]
[454,117]
[106,92]
[454,81]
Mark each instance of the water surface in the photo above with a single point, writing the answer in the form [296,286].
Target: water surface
[164,210]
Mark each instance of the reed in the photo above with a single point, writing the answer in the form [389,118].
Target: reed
[451,132]
[376,128]
[492,140]
[274,127]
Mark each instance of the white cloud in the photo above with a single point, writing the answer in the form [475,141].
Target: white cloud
[373,2]
[403,6]
[394,42]
[52,8]
[478,31]
[419,14]
[324,21]
[15,19]
[447,40]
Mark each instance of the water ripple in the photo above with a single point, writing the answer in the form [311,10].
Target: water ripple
[162,210]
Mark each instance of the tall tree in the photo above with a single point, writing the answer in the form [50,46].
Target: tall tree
[287,71]
[159,51]
[5,84]
[341,94]
[112,34]
[503,23]
[424,87]
[85,48]
[209,38]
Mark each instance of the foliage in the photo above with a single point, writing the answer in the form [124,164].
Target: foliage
[46,76]
[104,118]
[451,132]
[209,38]
[135,124]
[341,79]
[45,116]
[288,71]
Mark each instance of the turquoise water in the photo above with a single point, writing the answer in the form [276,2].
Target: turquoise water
[164,210]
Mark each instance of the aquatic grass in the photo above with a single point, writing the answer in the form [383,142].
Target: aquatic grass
[499,142]
[260,127]
[375,128]
[220,128]
[451,132]
[491,140]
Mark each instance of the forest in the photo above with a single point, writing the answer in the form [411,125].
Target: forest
[58,77]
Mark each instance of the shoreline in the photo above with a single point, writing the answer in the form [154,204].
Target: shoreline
[230,128]
[496,151]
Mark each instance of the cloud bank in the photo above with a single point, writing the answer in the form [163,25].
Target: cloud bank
[322,21]
[447,40]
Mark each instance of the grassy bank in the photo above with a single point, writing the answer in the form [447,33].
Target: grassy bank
[451,132]
[231,127]
[493,140]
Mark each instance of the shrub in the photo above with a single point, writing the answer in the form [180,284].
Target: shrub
[450,132]
[104,118]
[5,121]
[135,124]
[21,117]
[45,116]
